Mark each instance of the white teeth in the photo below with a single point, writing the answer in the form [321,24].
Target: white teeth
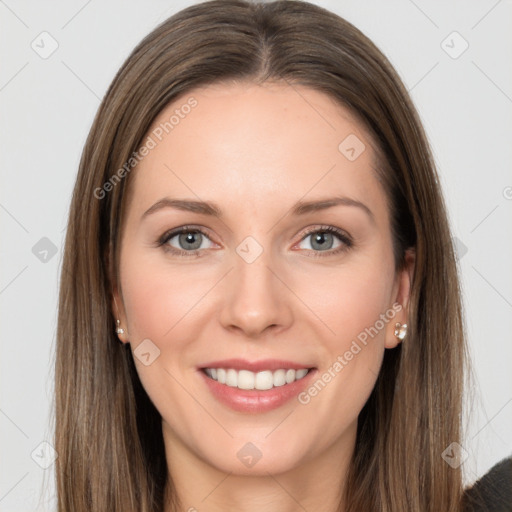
[280,377]
[300,373]
[231,378]
[245,379]
[264,380]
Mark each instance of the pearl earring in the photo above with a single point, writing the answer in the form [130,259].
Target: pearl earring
[119,329]
[400,331]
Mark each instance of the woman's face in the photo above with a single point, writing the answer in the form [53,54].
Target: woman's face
[285,264]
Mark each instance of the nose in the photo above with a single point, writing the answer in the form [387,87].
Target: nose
[256,300]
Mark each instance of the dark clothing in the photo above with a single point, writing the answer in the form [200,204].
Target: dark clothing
[493,492]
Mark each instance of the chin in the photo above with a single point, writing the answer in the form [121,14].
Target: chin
[267,463]
[256,457]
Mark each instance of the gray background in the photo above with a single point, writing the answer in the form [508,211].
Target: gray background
[47,106]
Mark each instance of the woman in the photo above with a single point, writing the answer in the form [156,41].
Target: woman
[259,303]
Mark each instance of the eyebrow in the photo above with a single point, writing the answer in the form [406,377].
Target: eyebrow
[212,209]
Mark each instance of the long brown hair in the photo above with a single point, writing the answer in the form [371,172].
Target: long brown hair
[108,433]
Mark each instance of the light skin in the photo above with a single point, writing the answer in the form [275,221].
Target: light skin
[256,151]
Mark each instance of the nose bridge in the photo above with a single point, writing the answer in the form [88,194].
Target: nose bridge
[255,299]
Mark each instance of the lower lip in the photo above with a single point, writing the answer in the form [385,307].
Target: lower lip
[256,401]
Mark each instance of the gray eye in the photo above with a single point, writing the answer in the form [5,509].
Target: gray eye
[189,241]
[321,241]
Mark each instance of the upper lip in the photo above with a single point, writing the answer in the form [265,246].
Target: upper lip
[255,366]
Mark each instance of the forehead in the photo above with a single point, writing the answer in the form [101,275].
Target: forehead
[256,143]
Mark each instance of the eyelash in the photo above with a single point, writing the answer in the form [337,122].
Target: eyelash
[342,236]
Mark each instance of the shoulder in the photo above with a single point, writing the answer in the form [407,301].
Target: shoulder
[492,492]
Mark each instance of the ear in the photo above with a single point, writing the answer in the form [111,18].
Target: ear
[119,314]
[117,303]
[401,296]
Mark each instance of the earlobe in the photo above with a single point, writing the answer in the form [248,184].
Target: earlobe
[399,335]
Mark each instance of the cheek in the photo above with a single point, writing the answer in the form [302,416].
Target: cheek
[349,299]
[157,296]
[352,302]
[161,301]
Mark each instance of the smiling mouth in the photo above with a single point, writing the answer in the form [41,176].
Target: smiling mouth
[261,381]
